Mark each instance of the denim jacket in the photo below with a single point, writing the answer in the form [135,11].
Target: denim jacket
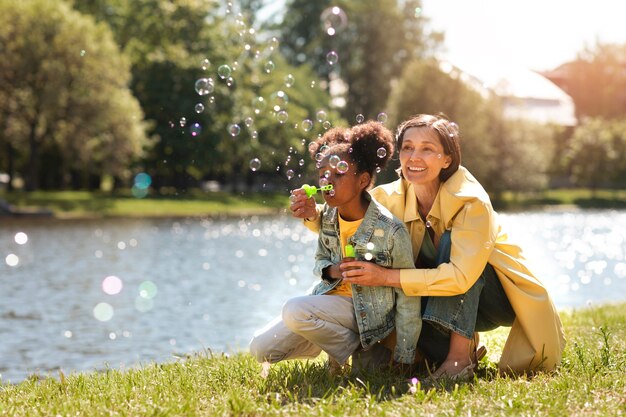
[383,239]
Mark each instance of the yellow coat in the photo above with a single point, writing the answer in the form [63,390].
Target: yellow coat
[536,339]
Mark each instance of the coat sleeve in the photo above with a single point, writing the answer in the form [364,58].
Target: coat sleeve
[473,234]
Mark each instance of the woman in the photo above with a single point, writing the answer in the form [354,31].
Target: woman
[473,278]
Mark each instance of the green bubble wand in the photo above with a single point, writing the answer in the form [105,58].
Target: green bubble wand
[311,190]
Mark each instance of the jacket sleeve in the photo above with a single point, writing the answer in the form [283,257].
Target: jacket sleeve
[315,224]
[408,314]
[322,258]
[473,234]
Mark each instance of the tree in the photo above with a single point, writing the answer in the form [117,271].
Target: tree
[596,153]
[63,82]
[172,44]
[596,81]
[505,155]
[375,43]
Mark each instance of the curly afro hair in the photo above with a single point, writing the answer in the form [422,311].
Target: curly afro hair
[369,146]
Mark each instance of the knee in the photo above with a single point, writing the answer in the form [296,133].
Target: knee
[292,313]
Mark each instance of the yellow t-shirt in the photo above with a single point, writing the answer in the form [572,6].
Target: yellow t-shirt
[346,230]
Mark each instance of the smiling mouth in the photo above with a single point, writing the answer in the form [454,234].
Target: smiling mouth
[416,169]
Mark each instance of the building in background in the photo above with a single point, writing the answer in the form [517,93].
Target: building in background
[525,94]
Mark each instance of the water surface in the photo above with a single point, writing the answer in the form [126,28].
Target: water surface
[195,284]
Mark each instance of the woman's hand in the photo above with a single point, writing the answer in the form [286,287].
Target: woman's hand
[302,207]
[369,274]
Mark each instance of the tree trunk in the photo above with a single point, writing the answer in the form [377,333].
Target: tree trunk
[32,173]
[10,165]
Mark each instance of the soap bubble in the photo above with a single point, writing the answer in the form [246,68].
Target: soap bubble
[333,161]
[255,164]
[103,312]
[301,162]
[199,108]
[289,80]
[273,43]
[307,125]
[205,64]
[195,129]
[279,100]
[112,285]
[360,118]
[269,66]
[381,152]
[204,86]
[259,104]
[224,71]
[147,289]
[323,182]
[321,116]
[182,122]
[282,116]
[12,259]
[333,20]
[326,125]
[249,121]
[290,174]
[20,238]
[342,167]
[382,117]
[332,58]
[143,180]
[234,129]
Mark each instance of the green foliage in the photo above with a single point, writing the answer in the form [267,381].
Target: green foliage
[596,80]
[503,154]
[377,40]
[168,42]
[596,153]
[589,382]
[63,93]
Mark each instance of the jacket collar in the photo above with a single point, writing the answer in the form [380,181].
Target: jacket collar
[364,233]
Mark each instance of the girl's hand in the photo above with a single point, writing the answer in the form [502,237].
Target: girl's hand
[302,207]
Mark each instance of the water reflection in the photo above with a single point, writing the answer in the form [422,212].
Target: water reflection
[87,294]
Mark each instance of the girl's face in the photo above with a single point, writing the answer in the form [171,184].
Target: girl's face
[347,184]
[422,156]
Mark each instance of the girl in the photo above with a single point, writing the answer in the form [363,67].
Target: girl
[339,317]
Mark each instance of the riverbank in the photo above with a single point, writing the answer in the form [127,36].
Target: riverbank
[83,204]
[589,382]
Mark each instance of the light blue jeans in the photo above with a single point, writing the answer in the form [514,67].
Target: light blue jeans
[483,307]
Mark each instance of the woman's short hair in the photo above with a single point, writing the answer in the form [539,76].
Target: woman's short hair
[447,132]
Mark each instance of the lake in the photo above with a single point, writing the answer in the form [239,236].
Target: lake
[83,295]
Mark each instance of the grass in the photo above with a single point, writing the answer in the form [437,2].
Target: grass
[583,198]
[195,203]
[97,204]
[591,381]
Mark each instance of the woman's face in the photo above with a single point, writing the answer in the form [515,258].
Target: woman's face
[422,156]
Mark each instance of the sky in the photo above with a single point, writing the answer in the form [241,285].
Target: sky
[536,34]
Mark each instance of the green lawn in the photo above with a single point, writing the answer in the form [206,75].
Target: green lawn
[85,204]
[590,382]
[196,203]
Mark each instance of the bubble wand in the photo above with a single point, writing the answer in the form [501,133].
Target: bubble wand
[311,190]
